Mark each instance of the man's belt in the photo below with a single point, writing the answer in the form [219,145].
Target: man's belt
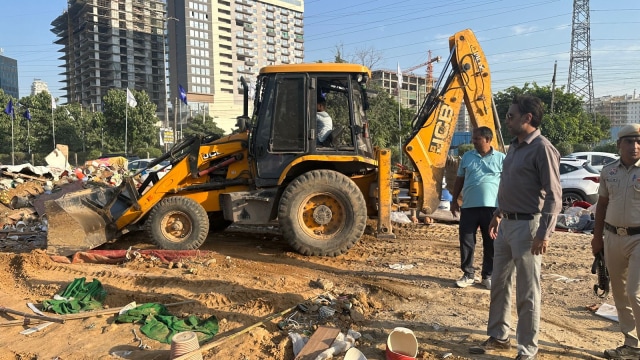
[517,216]
[622,231]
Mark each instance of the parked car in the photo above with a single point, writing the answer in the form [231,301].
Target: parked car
[161,169]
[597,159]
[579,181]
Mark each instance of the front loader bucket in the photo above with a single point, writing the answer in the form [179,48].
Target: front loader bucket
[80,220]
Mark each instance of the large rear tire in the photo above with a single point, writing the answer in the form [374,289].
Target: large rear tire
[178,223]
[322,213]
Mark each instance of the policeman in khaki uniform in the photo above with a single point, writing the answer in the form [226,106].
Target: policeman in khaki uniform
[617,230]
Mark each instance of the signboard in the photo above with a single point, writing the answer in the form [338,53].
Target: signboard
[166,136]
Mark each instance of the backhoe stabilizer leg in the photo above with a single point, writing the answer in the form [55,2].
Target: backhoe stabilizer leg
[385,184]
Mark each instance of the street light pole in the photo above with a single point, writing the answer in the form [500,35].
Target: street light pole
[165,72]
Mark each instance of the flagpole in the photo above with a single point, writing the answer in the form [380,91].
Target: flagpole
[399,75]
[28,137]
[126,125]
[53,127]
[399,128]
[13,161]
[180,117]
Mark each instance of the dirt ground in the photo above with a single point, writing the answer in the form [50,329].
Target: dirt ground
[406,282]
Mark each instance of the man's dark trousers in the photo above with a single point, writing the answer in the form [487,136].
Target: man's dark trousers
[470,220]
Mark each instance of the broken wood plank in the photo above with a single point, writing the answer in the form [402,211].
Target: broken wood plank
[320,341]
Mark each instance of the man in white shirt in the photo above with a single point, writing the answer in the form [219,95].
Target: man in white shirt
[324,121]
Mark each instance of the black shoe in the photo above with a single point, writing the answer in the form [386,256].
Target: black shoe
[526,357]
[491,344]
[623,352]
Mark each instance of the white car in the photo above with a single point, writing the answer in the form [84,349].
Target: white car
[579,181]
[140,164]
[597,159]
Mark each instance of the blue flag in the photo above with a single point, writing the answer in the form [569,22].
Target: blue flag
[183,94]
[27,115]
[9,109]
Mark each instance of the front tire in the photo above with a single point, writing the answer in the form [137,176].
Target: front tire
[178,223]
[322,213]
[569,198]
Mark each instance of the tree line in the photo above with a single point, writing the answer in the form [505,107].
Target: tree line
[90,134]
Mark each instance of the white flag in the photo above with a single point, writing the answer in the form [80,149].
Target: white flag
[53,103]
[399,74]
[130,99]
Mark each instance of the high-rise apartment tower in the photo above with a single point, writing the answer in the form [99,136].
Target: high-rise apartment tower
[112,44]
[215,43]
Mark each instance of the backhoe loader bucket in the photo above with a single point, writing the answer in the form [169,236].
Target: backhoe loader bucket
[82,220]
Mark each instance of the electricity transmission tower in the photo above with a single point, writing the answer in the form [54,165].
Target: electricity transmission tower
[580,79]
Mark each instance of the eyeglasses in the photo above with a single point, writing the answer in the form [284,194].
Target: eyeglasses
[510,116]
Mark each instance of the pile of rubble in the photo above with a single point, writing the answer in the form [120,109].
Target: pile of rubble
[24,189]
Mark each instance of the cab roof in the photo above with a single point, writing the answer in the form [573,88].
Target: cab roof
[316,68]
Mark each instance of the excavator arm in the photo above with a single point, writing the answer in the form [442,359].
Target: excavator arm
[467,79]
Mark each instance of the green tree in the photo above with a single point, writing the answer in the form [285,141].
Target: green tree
[383,120]
[203,125]
[569,122]
[139,121]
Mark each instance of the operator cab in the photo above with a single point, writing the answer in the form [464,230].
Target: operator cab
[286,125]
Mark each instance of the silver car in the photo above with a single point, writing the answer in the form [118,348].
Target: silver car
[596,159]
[579,180]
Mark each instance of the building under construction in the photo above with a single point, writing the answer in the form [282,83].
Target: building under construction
[112,44]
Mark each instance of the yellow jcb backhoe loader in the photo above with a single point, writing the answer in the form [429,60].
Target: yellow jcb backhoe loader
[275,167]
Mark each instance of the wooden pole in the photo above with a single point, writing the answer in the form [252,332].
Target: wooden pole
[213,344]
[83,315]
[32,316]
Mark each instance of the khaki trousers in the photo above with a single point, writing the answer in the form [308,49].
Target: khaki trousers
[622,257]
[512,258]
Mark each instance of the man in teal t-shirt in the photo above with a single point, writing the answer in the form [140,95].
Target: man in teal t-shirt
[477,179]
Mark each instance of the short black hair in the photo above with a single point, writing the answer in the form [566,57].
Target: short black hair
[485,132]
[530,104]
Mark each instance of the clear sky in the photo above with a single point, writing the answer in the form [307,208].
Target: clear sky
[521,39]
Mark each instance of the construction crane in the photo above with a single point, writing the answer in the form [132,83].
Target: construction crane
[429,64]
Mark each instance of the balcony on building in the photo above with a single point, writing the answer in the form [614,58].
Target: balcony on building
[270,16]
[285,35]
[243,10]
[285,61]
[271,32]
[271,50]
[250,62]
[298,30]
[244,70]
[246,44]
[299,39]
[298,15]
[270,24]
[248,27]
[243,18]
[284,12]
[284,20]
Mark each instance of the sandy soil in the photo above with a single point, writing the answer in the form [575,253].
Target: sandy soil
[255,275]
